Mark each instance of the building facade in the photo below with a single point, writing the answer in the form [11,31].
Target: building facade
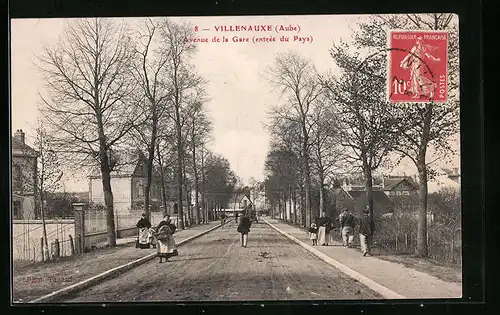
[24,178]
[128,186]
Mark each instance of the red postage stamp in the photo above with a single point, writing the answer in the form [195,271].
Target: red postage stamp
[418,66]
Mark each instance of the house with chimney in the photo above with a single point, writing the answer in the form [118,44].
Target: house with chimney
[239,201]
[390,185]
[24,178]
[128,183]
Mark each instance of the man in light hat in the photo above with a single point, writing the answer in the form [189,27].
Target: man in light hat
[366,229]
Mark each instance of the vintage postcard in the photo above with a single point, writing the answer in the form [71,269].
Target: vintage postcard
[235,158]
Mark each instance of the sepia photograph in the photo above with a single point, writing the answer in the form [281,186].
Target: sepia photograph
[235,158]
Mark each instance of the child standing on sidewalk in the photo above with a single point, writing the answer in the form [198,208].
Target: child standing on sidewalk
[313,234]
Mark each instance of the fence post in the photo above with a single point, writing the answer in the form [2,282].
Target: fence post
[79,212]
[41,254]
[58,248]
[72,245]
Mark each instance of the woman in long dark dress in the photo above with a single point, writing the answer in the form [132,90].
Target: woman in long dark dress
[166,247]
[244,228]
[143,239]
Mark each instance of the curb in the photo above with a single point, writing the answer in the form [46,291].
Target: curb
[385,292]
[109,273]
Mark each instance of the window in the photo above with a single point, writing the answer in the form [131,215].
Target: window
[17,209]
[16,178]
[140,189]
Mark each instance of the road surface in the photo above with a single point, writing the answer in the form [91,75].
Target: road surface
[215,267]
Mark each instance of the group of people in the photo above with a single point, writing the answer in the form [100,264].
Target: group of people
[321,230]
[160,238]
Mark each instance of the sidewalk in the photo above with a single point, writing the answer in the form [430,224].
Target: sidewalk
[405,281]
[31,282]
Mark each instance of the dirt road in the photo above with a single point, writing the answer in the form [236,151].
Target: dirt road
[216,267]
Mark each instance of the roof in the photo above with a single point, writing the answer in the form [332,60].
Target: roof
[392,182]
[128,163]
[380,199]
[238,197]
[442,181]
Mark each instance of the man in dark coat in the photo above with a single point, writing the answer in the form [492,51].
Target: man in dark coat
[347,225]
[244,228]
[366,229]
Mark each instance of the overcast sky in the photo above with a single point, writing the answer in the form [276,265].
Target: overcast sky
[239,94]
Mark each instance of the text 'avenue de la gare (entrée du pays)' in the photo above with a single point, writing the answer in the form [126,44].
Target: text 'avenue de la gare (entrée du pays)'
[255,34]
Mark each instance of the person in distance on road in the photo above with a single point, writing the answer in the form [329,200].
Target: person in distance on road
[236,217]
[222,219]
[366,229]
[244,228]
[143,238]
[166,247]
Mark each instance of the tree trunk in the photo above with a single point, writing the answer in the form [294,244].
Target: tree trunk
[108,201]
[106,186]
[422,212]
[150,162]
[45,241]
[368,185]
[196,185]
[294,207]
[321,193]
[422,250]
[162,177]
[180,159]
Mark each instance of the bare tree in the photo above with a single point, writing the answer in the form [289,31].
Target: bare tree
[49,175]
[149,73]
[88,82]
[165,158]
[286,137]
[184,83]
[199,129]
[421,125]
[365,121]
[255,188]
[296,77]
[327,154]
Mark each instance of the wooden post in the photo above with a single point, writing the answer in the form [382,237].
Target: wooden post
[58,249]
[72,245]
[41,253]
[80,225]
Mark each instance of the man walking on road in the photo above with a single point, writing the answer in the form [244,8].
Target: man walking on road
[222,219]
[366,229]
[347,225]
[244,228]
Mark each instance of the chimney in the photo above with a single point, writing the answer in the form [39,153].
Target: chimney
[19,136]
